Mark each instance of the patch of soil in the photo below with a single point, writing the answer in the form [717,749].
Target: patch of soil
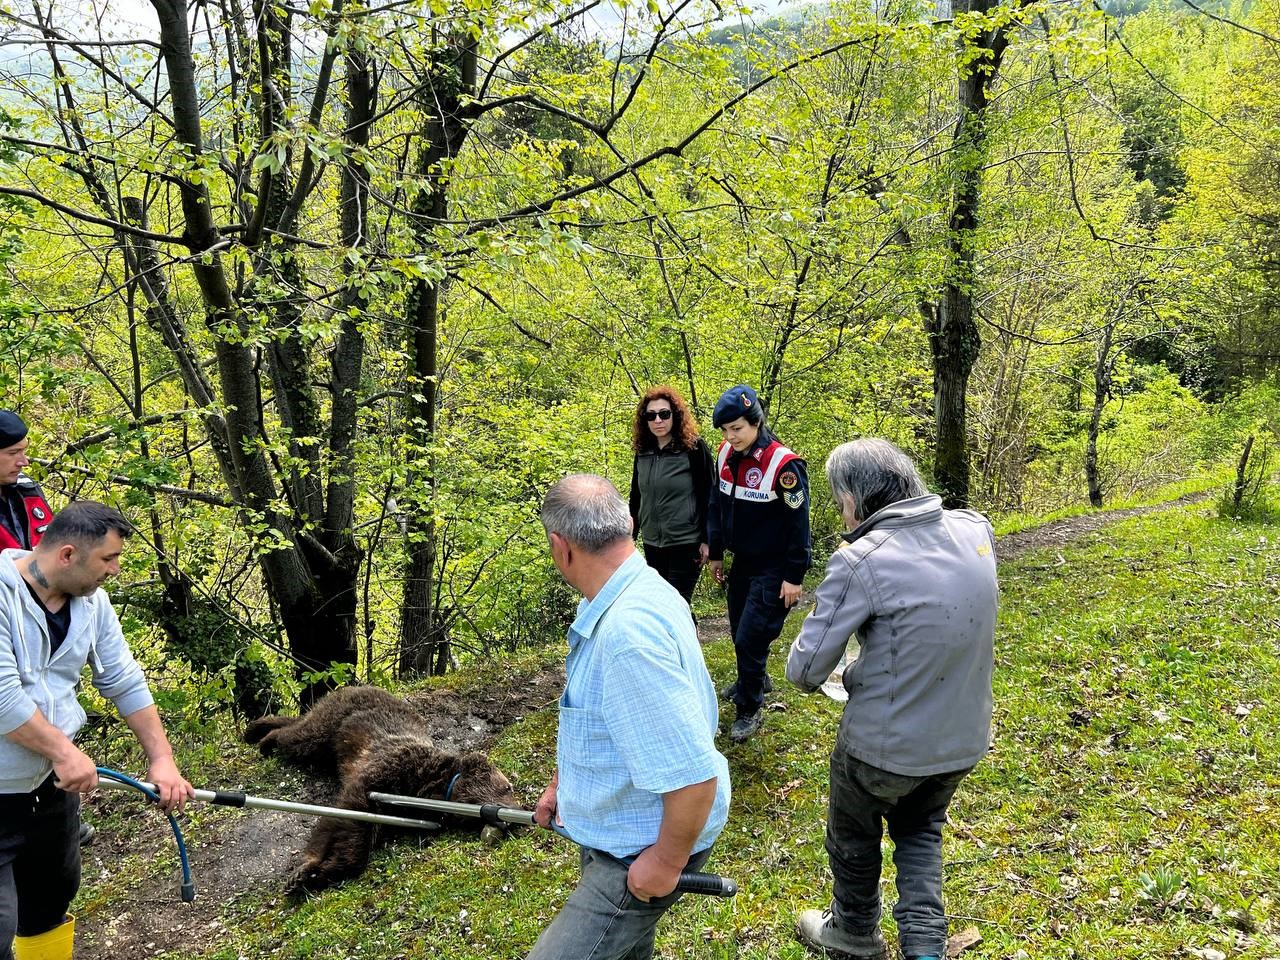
[713,628]
[237,851]
[242,851]
[469,720]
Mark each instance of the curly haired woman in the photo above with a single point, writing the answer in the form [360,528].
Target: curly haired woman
[670,484]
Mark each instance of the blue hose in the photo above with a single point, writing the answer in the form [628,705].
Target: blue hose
[188,886]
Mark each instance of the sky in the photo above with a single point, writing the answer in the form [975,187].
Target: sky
[138,18]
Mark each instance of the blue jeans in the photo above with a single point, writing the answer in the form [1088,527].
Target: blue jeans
[863,799]
[601,920]
[39,861]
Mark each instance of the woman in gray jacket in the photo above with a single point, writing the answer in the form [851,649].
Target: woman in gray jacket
[915,585]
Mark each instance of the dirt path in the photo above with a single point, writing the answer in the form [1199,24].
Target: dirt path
[1061,532]
[238,852]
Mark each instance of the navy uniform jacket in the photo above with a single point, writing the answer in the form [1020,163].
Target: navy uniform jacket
[759,508]
[24,514]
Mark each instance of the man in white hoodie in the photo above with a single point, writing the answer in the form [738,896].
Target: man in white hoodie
[55,618]
[24,511]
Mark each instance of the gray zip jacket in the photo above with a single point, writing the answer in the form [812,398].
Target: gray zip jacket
[915,585]
[30,680]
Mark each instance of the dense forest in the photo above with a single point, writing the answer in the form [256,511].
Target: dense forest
[325,295]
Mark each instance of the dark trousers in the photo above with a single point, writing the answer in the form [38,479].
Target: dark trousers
[863,799]
[39,861]
[678,565]
[601,920]
[756,615]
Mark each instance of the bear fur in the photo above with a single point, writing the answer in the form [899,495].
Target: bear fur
[373,742]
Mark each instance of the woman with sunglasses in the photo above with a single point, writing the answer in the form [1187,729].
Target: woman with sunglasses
[670,485]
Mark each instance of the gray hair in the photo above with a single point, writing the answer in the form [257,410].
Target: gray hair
[874,473]
[588,511]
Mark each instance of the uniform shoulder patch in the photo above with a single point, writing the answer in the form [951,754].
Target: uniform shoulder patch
[787,479]
[794,499]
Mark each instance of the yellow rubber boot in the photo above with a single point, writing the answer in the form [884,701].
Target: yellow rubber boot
[55,944]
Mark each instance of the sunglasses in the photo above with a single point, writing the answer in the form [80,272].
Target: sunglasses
[652,415]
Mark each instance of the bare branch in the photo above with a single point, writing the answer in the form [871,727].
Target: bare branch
[84,217]
[151,421]
[1233,23]
[672,150]
[521,44]
[181,493]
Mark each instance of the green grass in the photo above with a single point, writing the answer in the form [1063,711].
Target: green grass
[1130,806]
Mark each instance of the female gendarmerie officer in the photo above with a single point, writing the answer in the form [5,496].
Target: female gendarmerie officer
[759,512]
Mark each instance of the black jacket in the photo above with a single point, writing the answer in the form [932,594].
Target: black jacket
[762,516]
[700,469]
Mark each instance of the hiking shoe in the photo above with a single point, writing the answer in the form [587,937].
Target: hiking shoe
[745,726]
[86,834]
[729,691]
[817,930]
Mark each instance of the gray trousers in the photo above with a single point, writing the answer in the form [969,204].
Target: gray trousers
[863,800]
[601,920]
[39,861]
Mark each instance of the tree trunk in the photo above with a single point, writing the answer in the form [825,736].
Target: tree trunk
[424,642]
[954,340]
[420,634]
[1242,478]
[1101,393]
[314,587]
[348,355]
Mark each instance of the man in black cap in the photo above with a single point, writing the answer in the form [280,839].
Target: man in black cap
[759,511]
[24,512]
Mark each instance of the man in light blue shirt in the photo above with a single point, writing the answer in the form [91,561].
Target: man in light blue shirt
[639,784]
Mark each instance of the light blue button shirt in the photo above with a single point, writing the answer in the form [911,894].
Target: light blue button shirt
[638,715]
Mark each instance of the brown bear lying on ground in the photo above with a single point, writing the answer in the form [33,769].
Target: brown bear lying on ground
[373,742]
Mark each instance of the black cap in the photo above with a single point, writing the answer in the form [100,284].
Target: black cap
[736,402]
[12,428]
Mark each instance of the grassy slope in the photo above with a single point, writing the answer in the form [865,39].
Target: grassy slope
[1129,808]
